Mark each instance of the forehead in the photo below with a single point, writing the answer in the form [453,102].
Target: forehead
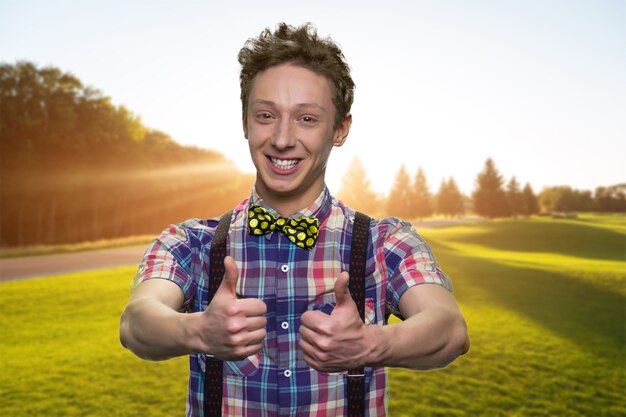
[292,84]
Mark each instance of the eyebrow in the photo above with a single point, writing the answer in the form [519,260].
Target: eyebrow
[299,105]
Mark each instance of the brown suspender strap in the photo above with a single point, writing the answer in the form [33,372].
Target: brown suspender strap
[214,367]
[358,260]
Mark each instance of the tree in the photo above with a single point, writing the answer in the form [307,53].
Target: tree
[48,116]
[421,200]
[356,190]
[450,199]
[529,202]
[74,167]
[489,198]
[514,197]
[398,202]
[564,198]
[611,199]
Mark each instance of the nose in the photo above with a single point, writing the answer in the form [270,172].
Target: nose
[283,137]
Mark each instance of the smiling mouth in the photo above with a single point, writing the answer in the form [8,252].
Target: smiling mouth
[284,164]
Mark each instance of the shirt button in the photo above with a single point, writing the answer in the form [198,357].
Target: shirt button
[287,373]
[284,325]
[285,268]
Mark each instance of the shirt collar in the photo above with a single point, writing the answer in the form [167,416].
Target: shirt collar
[319,209]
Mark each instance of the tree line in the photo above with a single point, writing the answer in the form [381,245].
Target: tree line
[492,196]
[74,167]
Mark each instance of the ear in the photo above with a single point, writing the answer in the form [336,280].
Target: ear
[244,121]
[341,132]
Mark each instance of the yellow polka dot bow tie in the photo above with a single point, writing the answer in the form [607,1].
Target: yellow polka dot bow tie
[301,231]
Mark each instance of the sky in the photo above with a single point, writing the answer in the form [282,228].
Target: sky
[538,86]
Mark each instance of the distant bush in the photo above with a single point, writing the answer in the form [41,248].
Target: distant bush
[566,199]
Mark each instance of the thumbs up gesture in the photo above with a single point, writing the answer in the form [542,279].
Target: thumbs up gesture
[339,341]
[231,328]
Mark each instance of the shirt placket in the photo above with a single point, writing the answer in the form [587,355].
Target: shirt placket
[285,330]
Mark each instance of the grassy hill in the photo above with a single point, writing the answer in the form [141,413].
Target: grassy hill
[544,300]
[546,308]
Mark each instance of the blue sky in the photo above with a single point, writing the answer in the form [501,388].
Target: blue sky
[539,86]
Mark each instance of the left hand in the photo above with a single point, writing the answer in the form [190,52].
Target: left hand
[335,342]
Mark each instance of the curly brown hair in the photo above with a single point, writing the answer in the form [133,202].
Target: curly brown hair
[299,46]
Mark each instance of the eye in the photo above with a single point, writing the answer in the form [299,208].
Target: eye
[308,119]
[264,116]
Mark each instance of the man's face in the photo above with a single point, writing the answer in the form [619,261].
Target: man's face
[289,127]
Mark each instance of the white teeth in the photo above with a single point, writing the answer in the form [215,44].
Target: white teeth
[284,163]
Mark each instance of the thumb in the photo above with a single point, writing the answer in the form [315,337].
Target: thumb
[229,282]
[342,293]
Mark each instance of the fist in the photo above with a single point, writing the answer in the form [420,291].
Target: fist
[232,328]
[335,342]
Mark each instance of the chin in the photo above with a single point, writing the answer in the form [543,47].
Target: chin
[282,189]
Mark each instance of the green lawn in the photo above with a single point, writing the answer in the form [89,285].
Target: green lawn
[544,300]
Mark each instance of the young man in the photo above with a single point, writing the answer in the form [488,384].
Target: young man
[283,320]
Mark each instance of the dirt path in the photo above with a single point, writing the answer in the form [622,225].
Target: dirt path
[36,266]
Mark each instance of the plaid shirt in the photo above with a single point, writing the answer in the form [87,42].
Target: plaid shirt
[277,381]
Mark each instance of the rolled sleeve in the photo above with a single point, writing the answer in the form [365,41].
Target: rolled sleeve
[410,262]
[169,257]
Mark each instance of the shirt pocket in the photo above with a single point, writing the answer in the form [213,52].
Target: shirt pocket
[245,367]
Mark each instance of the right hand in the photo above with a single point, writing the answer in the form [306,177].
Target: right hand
[232,328]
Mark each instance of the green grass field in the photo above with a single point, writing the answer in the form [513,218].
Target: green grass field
[544,301]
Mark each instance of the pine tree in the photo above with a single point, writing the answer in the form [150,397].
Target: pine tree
[356,190]
[457,198]
[529,201]
[450,199]
[421,200]
[489,198]
[398,202]
[514,197]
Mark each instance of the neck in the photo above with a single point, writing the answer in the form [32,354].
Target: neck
[288,204]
